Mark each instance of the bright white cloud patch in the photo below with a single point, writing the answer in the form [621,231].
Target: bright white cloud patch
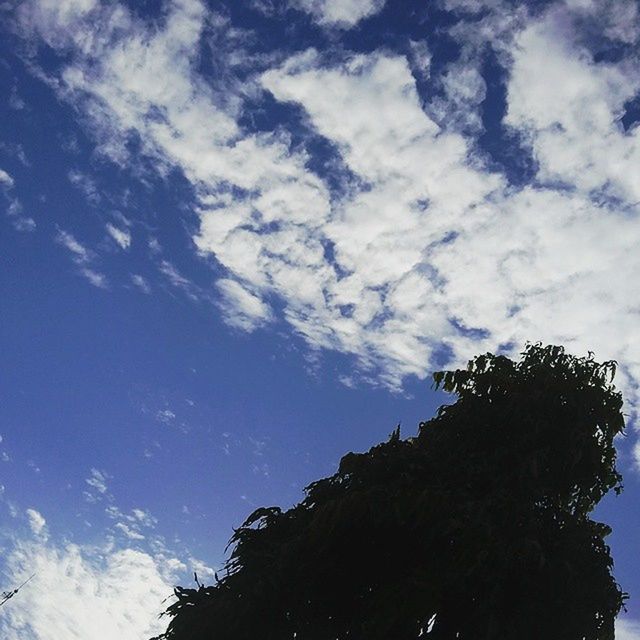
[5,179]
[241,308]
[112,589]
[98,480]
[627,629]
[85,593]
[343,13]
[383,303]
[121,236]
[37,523]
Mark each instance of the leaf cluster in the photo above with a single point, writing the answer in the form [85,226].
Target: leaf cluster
[477,528]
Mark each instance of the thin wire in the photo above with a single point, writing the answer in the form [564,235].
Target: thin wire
[7,595]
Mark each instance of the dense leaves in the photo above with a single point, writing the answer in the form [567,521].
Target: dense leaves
[477,528]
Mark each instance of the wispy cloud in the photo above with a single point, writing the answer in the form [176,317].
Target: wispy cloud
[15,150]
[82,257]
[98,487]
[22,223]
[37,523]
[15,210]
[79,252]
[165,416]
[128,531]
[179,281]
[86,184]
[141,282]
[341,13]
[132,524]
[122,237]
[96,278]
[240,307]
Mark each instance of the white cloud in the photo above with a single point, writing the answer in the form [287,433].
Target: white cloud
[6,180]
[141,283]
[342,13]
[381,236]
[97,480]
[627,629]
[570,108]
[242,308]
[15,149]
[154,246]
[204,571]
[77,250]
[133,523]
[22,223]
[144,517]
[86,184]
[177,280]
[122,237]
[166,416]
[15,214]
[96,278]
[85,593]
[103,590]
[52,17]
[130,532]
[113,512]
[37,523]
[32,465]
[82,257]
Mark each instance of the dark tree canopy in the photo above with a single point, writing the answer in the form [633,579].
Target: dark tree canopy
[478,528]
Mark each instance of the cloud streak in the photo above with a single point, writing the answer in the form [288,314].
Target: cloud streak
[83,258]
[121,237]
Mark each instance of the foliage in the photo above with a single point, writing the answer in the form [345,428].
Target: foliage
[477,528]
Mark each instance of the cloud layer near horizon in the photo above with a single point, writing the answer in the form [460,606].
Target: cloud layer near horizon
[424,249]
[113,588]
[82,592]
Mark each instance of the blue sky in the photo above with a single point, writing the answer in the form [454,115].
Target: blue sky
[236,239]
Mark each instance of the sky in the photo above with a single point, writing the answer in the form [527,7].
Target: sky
[236,238]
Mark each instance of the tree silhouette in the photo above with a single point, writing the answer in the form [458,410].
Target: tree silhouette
[477,528]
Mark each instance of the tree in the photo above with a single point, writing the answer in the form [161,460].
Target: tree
[478,528]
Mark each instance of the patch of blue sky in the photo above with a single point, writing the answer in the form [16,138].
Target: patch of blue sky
[631,115]
[506,150]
